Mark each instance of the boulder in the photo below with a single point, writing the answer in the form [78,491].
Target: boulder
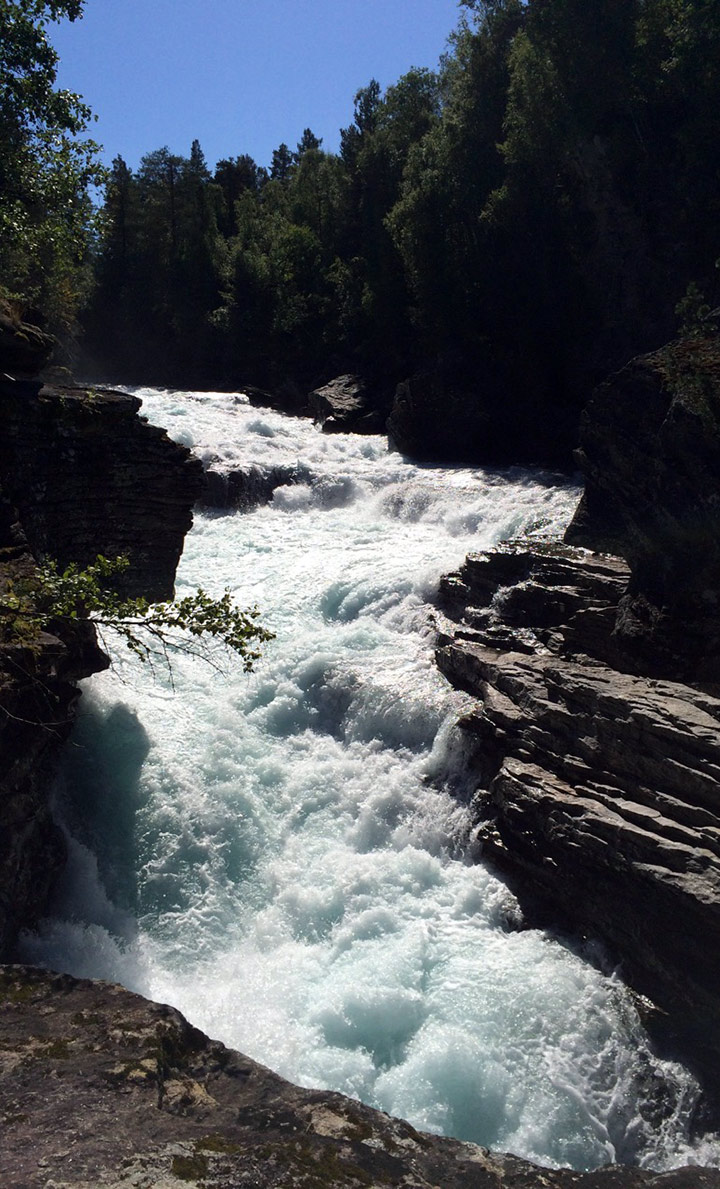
[24,349]
[345,405]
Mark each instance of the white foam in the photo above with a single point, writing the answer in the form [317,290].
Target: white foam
[280,855]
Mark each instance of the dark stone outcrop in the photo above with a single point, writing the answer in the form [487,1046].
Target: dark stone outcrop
[598,788]
[287,396]
[346,405]
[432,421]
[650,452]
[88,476]
[80,474]
[24,349]
[99,1087]
[37,700]
[497,414]
[249,487]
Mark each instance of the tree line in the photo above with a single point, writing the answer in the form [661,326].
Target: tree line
[522,220]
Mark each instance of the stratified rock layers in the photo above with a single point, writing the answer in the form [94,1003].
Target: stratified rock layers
[599,789]
[88,476]
[98,1087]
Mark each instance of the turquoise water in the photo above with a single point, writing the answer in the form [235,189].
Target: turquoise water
[285,856]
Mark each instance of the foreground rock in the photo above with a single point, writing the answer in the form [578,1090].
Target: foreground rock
[99,1087]
[598,789]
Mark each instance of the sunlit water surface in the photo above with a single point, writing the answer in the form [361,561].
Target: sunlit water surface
[281,855]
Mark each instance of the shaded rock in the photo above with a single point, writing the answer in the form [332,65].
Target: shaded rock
[24,349]
[650,452]
[498,414]
[598,788]
[247,488]
[80,474]
[37,702]
[287,397]
[88,476]
[98,1087]
[345,405]
[432,422]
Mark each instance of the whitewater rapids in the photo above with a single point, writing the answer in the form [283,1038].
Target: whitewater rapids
[284,856]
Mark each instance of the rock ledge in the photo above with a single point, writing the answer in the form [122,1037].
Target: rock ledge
[99,1087]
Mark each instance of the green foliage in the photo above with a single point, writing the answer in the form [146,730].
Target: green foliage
[530,213]
[45,165]
[53,597]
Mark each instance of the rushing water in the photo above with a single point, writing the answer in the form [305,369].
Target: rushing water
[282,855]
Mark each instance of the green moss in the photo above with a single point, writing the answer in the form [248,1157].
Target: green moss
[14,992]
[58,1049]
[690,370]
[189,1168]
[321,1167]
[84,1018]
[217,1143]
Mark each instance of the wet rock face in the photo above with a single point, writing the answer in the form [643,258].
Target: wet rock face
[598,787]
[650,451]
[88,476]
[247,488]
[99,1087]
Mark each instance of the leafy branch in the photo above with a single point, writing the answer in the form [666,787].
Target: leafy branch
[52,597]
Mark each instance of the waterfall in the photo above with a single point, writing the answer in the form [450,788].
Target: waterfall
[284,855]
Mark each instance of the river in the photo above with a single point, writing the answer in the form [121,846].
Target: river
[286,856]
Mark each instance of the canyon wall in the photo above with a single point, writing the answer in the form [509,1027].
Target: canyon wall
[597,679]
[80,474]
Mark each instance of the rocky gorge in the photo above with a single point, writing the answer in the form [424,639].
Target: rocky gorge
[596,772]
[596,679]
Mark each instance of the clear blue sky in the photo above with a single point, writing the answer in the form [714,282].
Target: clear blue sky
[240,75]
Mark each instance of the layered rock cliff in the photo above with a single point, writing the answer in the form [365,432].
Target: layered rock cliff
[88,476]
[597,679]
[650,452]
